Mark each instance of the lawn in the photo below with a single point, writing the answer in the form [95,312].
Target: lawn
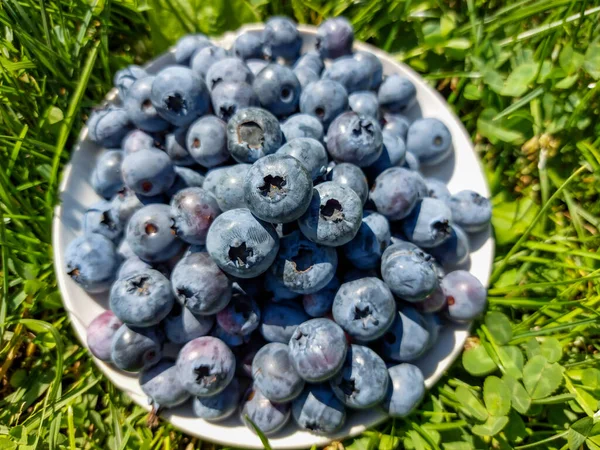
[523,78]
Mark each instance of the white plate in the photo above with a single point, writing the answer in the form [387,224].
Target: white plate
[463,171]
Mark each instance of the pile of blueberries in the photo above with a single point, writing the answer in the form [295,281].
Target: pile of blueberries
[264,214]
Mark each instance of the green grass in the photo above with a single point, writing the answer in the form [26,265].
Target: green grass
[523,78]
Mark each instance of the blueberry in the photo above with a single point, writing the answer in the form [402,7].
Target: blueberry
[188,45]
[325,100]
[206,141]
[150,235]
[408,338]
[434,325]
[124,250]
[396,192]
[305,76]
[334,215]
[241,316]
[277,189]
[124,204]
[99,219]
[437,189]
[374,66]
[213,178]
[397,94]
[429,140]
[396,124]
[304,266]
[175,146]
[465,295]
[256,65]
[253,133]
[471,211]
[364,308]
[141,299]
[161,384]
[280,39]
[137,140]
[248,45]
[363,381]
[393,154]
[106,177]
[182,325]
[274,375]
[311,350]
[185,177]
[228,69]
[230,191]
[229,97]
[434,302]
[124,78]
[406,390]
[148,172]
[350,73]
[311,60]
[353,274]
[134,349]
[277,89]
[411,162]
[302,126]
[92,262]
[455,250]
[319,303]
[310,152]
[351,176]
[364,103]
[205,366]
[355,139]
[139,107]
[279,290]
[268,416]
[241,244]
[245,355]
[108,126]
[199,284]
[410,274]
[428,224]
[220,406]
[179,95]
[100,334]
[318,410]
[193,211]
[204,58]
[232,340]
[373,237]
[280,320]
[335,37]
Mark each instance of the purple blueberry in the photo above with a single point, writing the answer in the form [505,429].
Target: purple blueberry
[230,191]
[471,211]
[220,406]
[253,133]
[277,189]
[465,296]
[268,416]
[100,334]
[199,284]
[408,338]
[148,172]
[124,78]
[393,154]
[334,215]
[193,211]
[311,350]
[139,107]
[248,45]
[434,302]
[428,224]
[206,141]
[274,375]
[304,266]
[373,237]
[182,325]
[92,262]
[205,366]
[99,219]
[429,140]
[310,152]
[325,100]
[281,39]
[302,126]
[241,316]
[397,94]
[363,381]
[319,303]
[455,250]
[188,45]
[142,299]
[335,37]
[277,89]
[134,349]
[355,139]
[162,386]
[241,244]
[280,320]
[150,235]
[179,95]
[228,69]
[406,390]
[351,176]
[364,308]
[396,191]
[108,126]
[318,410]
[106,177]
[204,58]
